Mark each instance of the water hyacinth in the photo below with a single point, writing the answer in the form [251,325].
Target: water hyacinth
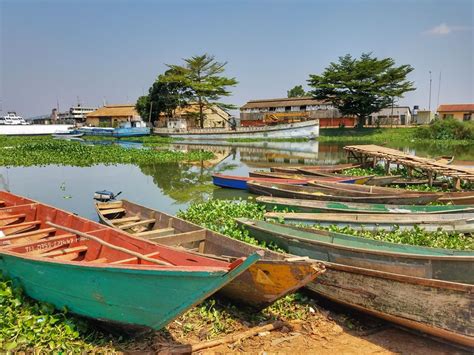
[37,151]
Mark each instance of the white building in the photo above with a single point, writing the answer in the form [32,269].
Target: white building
[396,115]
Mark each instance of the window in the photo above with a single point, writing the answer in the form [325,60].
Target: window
[467,117]
[303,108]
[448,115]
[271,109]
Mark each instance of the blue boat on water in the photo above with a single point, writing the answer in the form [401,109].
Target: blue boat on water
[126,129]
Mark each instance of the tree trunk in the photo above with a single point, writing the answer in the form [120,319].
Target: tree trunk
[201,113]
[360,121]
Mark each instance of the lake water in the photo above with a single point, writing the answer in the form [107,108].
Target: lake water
[171,187]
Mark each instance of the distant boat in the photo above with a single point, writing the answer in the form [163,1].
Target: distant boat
[73,133]
[126,129]
[313,206]
[453,222]
[240,182]
[101,273]
[324,194]
[11,118]
[307,129]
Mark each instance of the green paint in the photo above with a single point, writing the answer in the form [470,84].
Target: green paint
[151,298]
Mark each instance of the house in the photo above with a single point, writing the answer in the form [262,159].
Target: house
[112,116]
[293,109]
[424,116]
[187,118]
[461,112]
[396,115]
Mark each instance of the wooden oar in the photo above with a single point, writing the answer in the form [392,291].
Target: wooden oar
[111,246]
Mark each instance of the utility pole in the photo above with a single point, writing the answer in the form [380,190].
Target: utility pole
[149,115]
[439,89]
[429,101]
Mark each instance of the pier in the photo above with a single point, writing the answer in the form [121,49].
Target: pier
[372,154]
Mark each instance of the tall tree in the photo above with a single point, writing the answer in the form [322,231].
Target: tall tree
[297,91]
[201,76]
[164,96]
[362,86]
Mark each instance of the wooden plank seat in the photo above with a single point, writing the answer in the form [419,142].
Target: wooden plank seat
[113,211]
[19,227]
[27,236]
[128,260]
[155,233]
[61,252]
[180,238]
[109,205]
[125,219]
[137,224]
[34,247]
[8,219]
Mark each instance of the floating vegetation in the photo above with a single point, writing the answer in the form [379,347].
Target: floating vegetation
[28,325]
[28,151]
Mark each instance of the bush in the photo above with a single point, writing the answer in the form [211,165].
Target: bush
[447,129]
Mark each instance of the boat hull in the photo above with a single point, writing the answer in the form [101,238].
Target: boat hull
[271,278]
[327,246]
[307,130]
[240,182]
[148,298]
[321,194]
[313,206]
[436,307]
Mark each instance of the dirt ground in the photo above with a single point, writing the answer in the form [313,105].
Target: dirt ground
[328,332]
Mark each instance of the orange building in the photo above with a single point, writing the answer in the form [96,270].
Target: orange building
[461,112]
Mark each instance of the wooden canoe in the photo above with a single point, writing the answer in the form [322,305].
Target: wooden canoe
[341,179]
[271,278]
[101,273]
[436,307]
[383,180]
[456,198]
[321,194]
[358,180]
[240,182]
[327,168]
[313,206]
[454,222]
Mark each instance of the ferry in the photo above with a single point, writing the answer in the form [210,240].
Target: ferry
[11,118]
[126,129]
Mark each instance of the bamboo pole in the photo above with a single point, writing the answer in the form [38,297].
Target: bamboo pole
[111,246]
[232,337]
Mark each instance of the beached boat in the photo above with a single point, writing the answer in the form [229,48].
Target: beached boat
[272,277]
[240,182]
[383,289]
[322,194]
[104,274]
[437,263]
[456,198]
[313,206]
[276,175]
[307,129]
[383,180]
[454,222]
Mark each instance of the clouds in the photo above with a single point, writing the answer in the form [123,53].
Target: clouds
[444,29]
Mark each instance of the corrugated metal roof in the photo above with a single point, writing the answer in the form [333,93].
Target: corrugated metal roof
[115,111]
[282,102]
[456,108]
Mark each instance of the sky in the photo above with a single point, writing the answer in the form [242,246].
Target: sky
[111,51]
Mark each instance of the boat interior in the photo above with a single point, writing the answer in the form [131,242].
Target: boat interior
[37,230]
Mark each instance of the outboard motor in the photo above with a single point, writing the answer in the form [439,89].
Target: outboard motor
[105,196]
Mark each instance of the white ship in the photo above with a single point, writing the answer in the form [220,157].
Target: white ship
[11,118]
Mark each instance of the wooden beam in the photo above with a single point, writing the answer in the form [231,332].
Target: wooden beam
[55,253]
[125,219]
[180,238]
[155,233]
[136,224]
[109,205]
[28,236]
[112,211]
[122,261]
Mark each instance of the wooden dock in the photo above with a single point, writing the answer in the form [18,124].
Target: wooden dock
[373,154]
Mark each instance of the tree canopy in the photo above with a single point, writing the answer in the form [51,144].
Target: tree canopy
[296,91]
[362,86]
[201,76]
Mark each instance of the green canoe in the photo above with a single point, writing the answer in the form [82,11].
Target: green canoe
[400,287]
[313,206]
[437,263]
